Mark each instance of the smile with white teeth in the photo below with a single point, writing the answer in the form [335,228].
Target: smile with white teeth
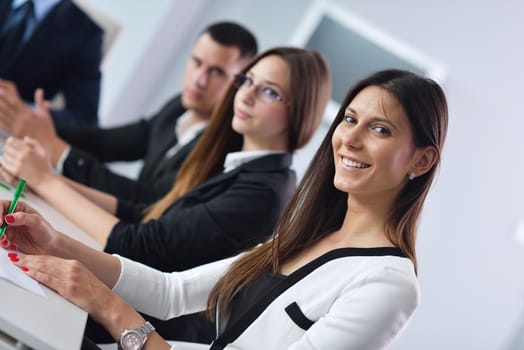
[354,164]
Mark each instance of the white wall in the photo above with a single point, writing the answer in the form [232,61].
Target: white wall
[469,263]
[151,33]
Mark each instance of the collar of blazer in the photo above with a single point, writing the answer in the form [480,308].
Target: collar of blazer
[271,162]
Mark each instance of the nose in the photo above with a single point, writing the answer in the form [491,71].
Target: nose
[352,137]
[249,93]
[202,78]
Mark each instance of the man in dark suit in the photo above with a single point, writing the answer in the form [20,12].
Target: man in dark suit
[162,141]
[53,45]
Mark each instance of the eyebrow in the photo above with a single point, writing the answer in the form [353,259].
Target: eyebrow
[375,118]
[267,82]
[199,60]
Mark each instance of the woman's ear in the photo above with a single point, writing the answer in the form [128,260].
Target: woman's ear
[424,160]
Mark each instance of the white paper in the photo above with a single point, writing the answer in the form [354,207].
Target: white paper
[11,272]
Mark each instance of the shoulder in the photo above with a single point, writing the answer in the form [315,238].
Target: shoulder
[69,15]
[391,276]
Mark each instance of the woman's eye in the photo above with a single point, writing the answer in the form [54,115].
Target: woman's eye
[272,94]
[381,130]
[350,119]
[248,81]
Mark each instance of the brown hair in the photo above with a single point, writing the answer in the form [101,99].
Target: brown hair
[310,86]
[318,208]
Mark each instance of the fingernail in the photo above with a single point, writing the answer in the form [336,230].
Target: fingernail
[4,243]
[14,259]
[13,247]
[12,255]
[10,219]
[25,269]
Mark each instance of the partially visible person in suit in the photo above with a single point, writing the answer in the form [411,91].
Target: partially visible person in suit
[164,140]
[340,270]
[230,190]
[53,45]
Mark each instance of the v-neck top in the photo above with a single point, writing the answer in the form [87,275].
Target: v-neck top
[267,281]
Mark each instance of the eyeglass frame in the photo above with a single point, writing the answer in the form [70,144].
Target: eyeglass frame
[240,82]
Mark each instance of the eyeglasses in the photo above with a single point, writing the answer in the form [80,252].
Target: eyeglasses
[264,92]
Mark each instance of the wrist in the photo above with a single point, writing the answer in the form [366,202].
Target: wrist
[55,149]
[116,316]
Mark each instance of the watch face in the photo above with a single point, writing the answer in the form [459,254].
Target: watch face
[131,341]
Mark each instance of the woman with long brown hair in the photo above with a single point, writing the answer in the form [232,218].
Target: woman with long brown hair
[340,270]
[230,190]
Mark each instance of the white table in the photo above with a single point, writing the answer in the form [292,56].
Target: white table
[29,321]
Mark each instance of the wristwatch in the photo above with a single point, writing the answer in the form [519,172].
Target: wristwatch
[135,338]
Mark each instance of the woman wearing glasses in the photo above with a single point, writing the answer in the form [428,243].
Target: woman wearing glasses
[231,188]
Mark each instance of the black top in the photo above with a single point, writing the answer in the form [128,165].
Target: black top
[251,293]
[147,139]
[219,218]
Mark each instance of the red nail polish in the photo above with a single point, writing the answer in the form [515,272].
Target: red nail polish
[13,247]
[4,243]
[10,219]
[12,255]
[25,269]
[14,259]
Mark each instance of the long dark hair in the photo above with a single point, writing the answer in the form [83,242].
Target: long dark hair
[310,86]
[317,208]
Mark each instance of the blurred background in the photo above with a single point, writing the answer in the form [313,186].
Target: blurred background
[471,237]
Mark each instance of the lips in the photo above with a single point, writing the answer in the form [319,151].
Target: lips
[193,94]
[241,114]
[354,163]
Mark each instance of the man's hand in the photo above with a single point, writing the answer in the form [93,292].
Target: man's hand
[15,114]
[20,120]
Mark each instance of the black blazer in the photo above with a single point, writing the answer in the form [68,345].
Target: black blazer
[63,55]
[219,218]
[146,139]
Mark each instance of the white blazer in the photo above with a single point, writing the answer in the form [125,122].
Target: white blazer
[349,298]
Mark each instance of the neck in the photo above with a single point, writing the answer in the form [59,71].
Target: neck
[365,222]
[251,144]
[195,117]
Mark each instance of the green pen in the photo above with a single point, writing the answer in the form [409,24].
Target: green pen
[4,186]
[12,206]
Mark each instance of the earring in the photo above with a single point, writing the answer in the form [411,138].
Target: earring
[412,175]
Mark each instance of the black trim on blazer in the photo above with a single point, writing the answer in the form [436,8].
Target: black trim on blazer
[301,320]
[234,331]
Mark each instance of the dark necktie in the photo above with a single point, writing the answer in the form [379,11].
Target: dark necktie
[11,40]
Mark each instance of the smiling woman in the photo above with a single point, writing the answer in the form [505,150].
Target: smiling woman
[340,269]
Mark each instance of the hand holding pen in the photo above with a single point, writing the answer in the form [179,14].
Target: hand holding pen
[12,206]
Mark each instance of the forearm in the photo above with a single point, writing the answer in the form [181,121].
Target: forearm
[81,211]
[105,267]
[104,200]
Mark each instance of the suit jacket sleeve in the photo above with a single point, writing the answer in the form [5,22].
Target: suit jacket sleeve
[125,143]
[101,145]
[198,231]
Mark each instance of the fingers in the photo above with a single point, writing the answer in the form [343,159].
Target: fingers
[31,142]
[9,92]
[69,278]
[48,270]
[7,177]
[40,102]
